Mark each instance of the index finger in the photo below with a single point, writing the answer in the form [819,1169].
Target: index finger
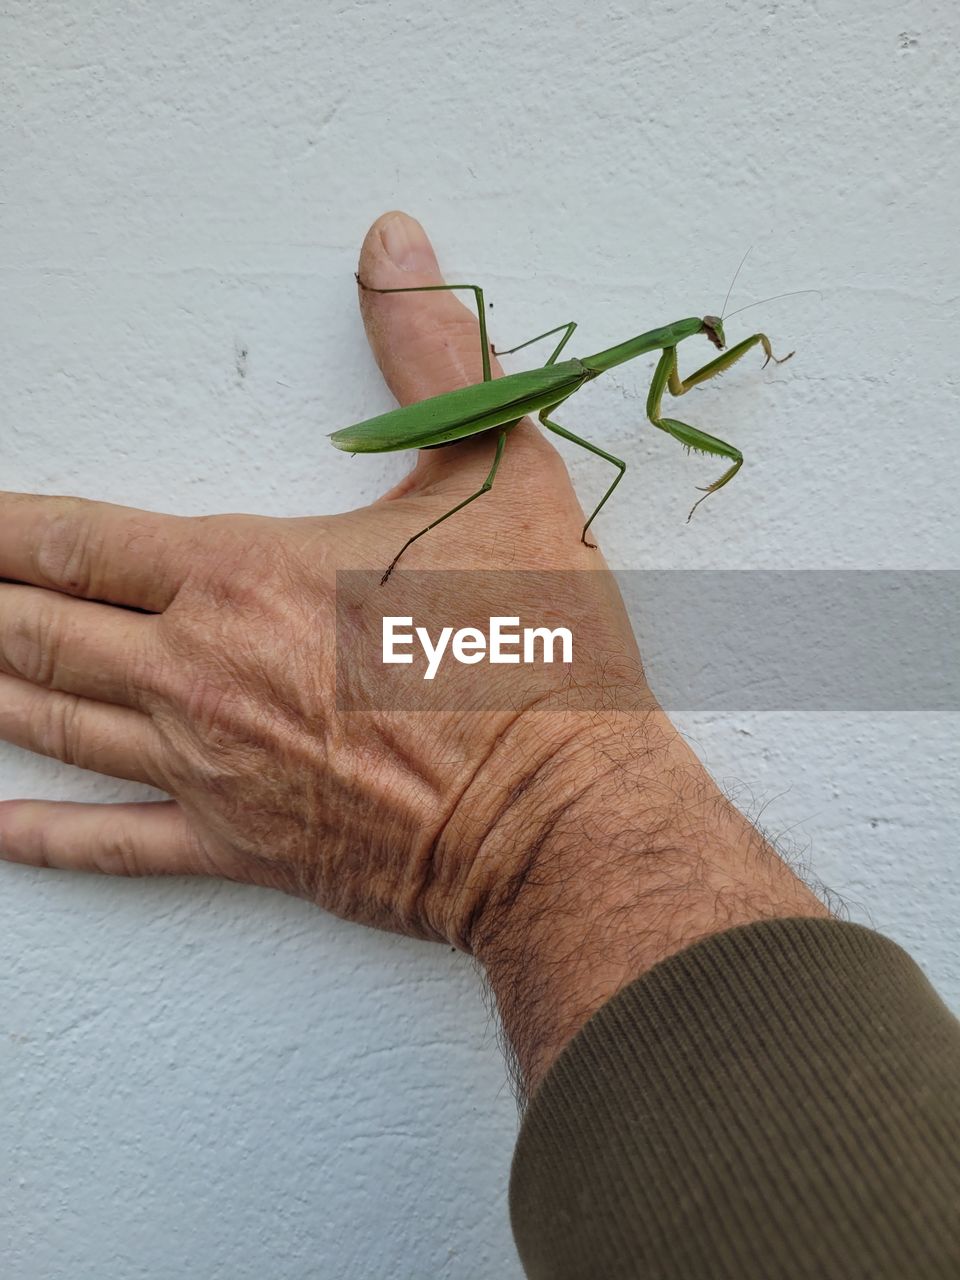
[93,549]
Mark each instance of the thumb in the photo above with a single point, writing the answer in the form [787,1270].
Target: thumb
[427,344]
[424,343]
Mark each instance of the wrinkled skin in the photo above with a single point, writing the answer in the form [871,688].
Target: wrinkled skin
[222,691]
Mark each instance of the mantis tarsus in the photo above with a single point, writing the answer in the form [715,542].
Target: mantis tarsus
[499,404]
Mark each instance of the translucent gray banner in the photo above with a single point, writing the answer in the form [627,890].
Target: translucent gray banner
[711,640]
[804,640]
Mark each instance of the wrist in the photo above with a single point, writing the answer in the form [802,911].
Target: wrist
[541,773]
[613,850]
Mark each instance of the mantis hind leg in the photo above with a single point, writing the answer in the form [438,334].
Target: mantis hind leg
[484,488]
[591,448]
[477,292]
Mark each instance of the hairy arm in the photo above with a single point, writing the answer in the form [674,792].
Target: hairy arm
[630,853]
[721,1079]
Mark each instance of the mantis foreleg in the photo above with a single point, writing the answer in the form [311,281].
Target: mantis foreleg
[665,375]
[677,385]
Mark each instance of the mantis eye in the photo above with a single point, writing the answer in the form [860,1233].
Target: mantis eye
[713,328]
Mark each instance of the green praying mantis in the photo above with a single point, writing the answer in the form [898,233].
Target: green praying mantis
[500,404]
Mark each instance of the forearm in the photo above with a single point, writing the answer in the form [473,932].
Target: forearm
[629,853]
[723,1079]
[780,1100]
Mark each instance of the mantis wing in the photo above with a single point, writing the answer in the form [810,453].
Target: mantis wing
[465,412]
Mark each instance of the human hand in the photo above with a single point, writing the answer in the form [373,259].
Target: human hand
[222,692]
[197,655]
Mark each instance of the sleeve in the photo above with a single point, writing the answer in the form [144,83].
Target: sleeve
[781,1100]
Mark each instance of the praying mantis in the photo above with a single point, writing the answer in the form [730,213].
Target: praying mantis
[500,404]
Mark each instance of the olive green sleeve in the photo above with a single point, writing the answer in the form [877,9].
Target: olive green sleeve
[777,1101]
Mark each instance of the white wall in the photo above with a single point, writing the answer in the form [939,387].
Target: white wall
[202,1080]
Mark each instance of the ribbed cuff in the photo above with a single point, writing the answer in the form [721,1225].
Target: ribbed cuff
[777,1101]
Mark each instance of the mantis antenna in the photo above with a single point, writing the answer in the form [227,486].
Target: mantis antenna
[776,297]
[723,309]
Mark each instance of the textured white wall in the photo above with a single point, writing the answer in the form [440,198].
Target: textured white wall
[202,1080]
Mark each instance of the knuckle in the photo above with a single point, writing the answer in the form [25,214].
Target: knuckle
[197,696]
[144,672]
[208,707]
[228,559]
[30,650]
[37,843]
[155,677]
[58,729]
[118,853]
[65,551]
[244,573]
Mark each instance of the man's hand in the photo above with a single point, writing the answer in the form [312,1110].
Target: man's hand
[197,655]
[221,691]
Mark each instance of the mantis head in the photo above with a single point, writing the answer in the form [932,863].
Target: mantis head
[713,328]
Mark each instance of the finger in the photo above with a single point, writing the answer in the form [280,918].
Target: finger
[75,646]
[91,735]
[427,344]
[424,343]
[146,839]
[93,549]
